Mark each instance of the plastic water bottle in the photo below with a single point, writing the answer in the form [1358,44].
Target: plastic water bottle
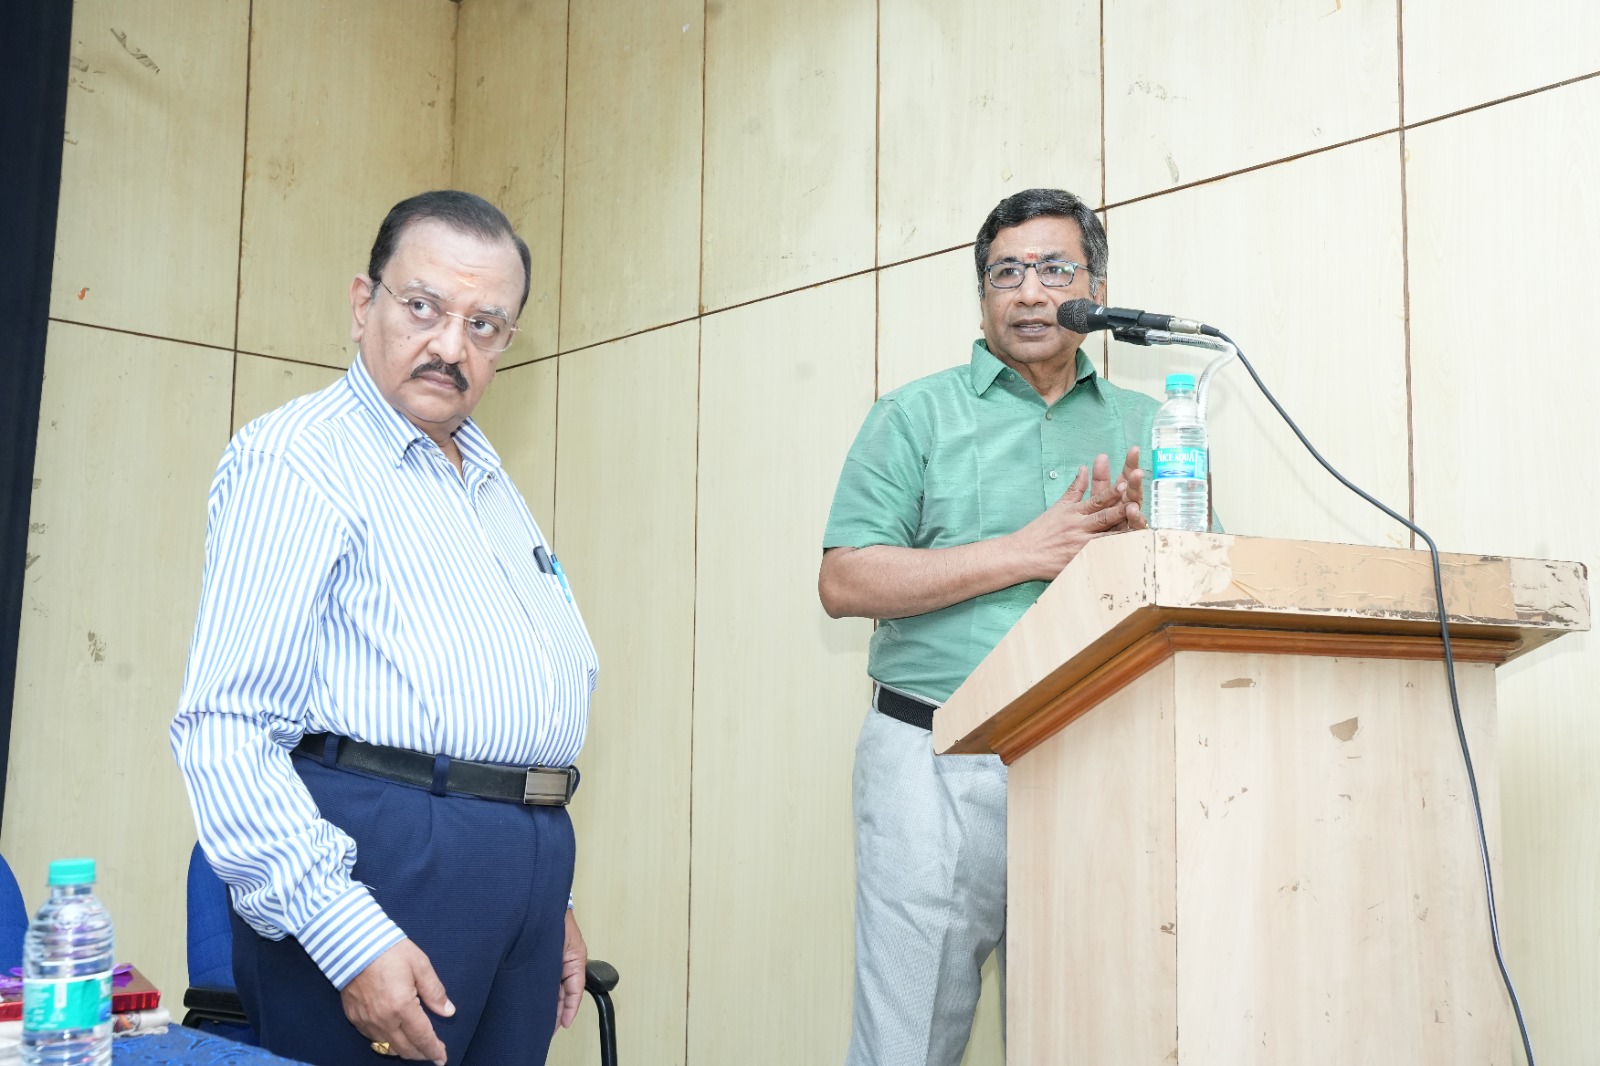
[66,973]
[1180,494]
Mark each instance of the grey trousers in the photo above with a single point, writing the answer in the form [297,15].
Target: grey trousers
[930,894]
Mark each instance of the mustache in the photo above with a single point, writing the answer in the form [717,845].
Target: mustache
[450,370]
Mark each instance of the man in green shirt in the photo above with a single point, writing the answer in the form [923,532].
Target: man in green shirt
[963,496]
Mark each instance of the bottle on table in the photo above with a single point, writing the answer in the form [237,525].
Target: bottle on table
[66,973]
[1180,490]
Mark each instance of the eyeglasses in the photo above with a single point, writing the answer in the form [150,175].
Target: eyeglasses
[488,333]
[1052,273]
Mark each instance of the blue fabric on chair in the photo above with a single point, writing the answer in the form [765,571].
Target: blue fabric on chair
[210,934]
[190,1047]
[13,918]
[212,999]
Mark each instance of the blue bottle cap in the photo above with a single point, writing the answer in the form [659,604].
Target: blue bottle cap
[72,872]
[1180,381]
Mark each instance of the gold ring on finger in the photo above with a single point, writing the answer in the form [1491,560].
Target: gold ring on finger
[382,1047]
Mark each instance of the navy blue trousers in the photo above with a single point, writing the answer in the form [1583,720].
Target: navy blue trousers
[480,886]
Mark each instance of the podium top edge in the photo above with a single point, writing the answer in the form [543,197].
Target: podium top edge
[1126,584]
[1215,571]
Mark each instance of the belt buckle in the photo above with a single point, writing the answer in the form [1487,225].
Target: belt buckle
[540,798]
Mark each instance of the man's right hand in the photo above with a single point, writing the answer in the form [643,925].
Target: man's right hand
[385,1003]
[889,581]
[1054,539]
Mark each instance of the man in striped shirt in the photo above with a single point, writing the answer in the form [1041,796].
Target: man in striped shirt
[385,646]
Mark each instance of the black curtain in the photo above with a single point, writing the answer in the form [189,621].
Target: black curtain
[35,44]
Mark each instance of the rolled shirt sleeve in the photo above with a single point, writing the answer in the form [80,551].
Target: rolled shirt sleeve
[272,545]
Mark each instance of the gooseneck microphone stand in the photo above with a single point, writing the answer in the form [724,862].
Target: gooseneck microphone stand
[1139,335]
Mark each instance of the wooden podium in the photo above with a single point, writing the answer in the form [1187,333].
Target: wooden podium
[1240,828]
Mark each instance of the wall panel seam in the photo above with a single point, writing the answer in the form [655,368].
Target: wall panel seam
[1102,103]
[135,333]
[1293,157]
[1252,168]
[705,77]
[566,133]
[1405,272]
[1105,213]
[292,362]
[1504,99]
[694,687]
[244,178]
[877,190]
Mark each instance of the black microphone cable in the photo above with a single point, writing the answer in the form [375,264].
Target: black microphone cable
[1450,671]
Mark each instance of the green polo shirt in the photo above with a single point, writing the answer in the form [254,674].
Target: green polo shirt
[964,455]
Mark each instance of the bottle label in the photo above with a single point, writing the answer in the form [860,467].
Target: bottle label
[1184,463]
[51,1006]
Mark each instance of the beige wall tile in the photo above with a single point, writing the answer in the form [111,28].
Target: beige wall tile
[790,162]
[1196,90]
[1503,417]
[630,252]
[928,317]
[261,385]
[1315,297]
[625,494]
[780,689]
[511,89]
[975,107]
[148,233]
[986,1045]
[350,113]
[519,415]
[113,577]
[1459,53]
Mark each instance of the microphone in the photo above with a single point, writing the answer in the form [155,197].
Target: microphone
[1086,316]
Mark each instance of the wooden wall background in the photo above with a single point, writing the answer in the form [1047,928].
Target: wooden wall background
[748,218]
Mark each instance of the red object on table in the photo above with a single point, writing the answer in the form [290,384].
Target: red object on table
[131,991]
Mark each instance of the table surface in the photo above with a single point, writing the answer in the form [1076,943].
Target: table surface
[187,1047]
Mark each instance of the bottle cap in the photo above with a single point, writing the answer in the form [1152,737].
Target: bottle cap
[1180,381]
[72,872]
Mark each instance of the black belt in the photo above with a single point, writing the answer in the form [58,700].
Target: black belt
[907,709]
[541,786]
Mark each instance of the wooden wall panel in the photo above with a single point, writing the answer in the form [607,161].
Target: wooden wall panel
[113,577]
[790,153]
[630,255]
[1315,297]
[928,317]
[1465,52]
[519,415]
[625,494]
[1502,434]
[148,234]
[986,1046]
[973,108]
[1196,90]
[780,689]
[261,385]
[350,112]
[510,129]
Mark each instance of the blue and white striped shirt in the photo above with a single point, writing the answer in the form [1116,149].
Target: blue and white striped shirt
[356,584]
